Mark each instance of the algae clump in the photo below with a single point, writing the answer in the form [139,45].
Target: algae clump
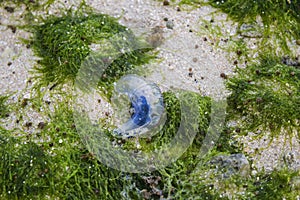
[277,22]
[266,95]
[63,42]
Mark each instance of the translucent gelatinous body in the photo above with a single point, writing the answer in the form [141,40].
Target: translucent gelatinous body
[146,105]
[141,108]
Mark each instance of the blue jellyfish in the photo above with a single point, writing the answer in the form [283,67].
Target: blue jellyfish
[141,108]
[146,105]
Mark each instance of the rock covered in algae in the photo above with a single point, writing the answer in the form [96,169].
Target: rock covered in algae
[231,164]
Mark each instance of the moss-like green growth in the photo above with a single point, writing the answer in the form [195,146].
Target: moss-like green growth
[4,108]
[227,143]
[280,19]
[266,95]
[202,183]
[76,173]
[27,3]
[63,43]
[23,168]
[173,112]
[54,163]
[193,3]
[279,184]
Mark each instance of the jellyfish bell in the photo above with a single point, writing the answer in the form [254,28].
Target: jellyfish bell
[145,112]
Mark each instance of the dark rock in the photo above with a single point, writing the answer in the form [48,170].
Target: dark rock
[228,165]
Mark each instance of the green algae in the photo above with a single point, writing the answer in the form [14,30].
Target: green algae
[274,25]
[21,167]
[64,42]
[4,107]
[278,184]
[265,96]
[54,164]
[280,19]
[200,183]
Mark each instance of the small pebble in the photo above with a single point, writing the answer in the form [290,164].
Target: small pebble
[9,63]
[148,140]
[292,73]
[259,100]
[171,67]
[41,125]
[239,52]
[24,102]
[170,24]
[28,124]
[190,72]
[166,3]
[223,75]
[195,59]
[196,46]
[12,28]
[9,9]
[298,42]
